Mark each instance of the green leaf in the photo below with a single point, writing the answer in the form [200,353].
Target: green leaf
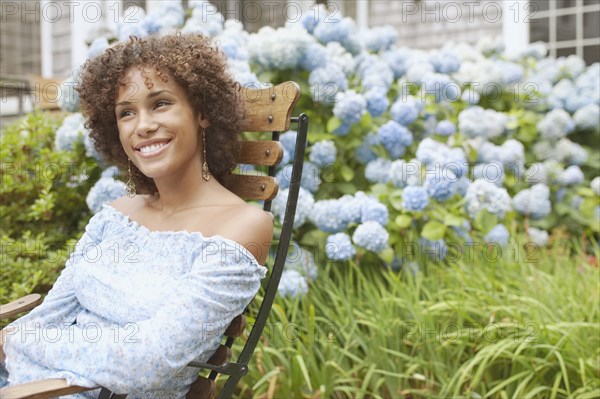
[347,172]
[403,221]
[453,220]
[396,199]
[387,255]
[333,123]
[433,230]
[562,209]
[485,221]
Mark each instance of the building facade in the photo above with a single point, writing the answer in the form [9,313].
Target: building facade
[50,37]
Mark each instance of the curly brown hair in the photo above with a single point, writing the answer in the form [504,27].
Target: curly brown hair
[195,64]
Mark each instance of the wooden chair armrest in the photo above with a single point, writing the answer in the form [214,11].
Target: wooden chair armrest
[28,302]
[42,389]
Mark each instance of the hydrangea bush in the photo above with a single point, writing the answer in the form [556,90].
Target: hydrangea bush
[412,154]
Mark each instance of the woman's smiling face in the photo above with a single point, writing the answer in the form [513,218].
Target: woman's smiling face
[158,127]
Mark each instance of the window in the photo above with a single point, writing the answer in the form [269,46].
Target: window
[568,27]
[20,44]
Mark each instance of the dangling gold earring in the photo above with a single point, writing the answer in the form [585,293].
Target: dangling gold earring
[130,185]
[205,171]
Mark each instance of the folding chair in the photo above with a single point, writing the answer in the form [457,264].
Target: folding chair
[268,109]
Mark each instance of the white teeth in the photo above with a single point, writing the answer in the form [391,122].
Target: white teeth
[152,148]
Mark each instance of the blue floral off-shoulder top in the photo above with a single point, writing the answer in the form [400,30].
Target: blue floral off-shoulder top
[132,308]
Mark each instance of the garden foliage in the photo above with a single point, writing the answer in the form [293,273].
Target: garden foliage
[462,162]
[413,155]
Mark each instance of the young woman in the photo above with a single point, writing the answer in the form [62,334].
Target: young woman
[158,275]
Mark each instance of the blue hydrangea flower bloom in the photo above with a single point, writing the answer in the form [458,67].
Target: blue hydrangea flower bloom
[90,148]
[335,30]
[415,198]
[70,132]
[534,201]
[364,154]
[204,22]
[292,284]
[445,128]
[377,171]
[436,250]
[127,29]
[377,101]
[281,48]
[470,96]
[441,185]
[371,236]
[396,59]
[310,176]
[417,69]
[339,247]
[395,138]
[492,172]
[112,172]
[301,260]
[351,207]
[69,97]
[571,176]
[442,87]
[372,209]
[380,38]
[326,82]
[315,57]
[326,216]
[556,124]
[404,173]
[511,72]
[103,192]
[485,195]
[350,107]
[512,155]
[445,61]
[477,122]
[537,236]
[310,20]
[595,185]
[462,185]
[405,110]
[498,234]
[97,47]
[375,73]
[288,141]
[303,209]
[323,153]
[437,155]
[588,117]
[343,129]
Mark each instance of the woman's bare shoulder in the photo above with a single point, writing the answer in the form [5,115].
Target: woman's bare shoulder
[250,226]
[128,205]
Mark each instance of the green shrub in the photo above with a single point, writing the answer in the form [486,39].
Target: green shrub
[42,203]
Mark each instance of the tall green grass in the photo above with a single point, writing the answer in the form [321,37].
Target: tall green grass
[510,328]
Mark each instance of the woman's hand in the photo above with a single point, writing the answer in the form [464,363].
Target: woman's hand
[2,337]
[3,333]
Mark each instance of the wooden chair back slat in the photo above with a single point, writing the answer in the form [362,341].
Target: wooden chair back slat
[270,108]
[202,388]
[250,187]
[221,355]
[265,153]
[236,327]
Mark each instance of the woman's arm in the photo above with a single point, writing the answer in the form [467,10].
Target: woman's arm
[143,355]
[59,308]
